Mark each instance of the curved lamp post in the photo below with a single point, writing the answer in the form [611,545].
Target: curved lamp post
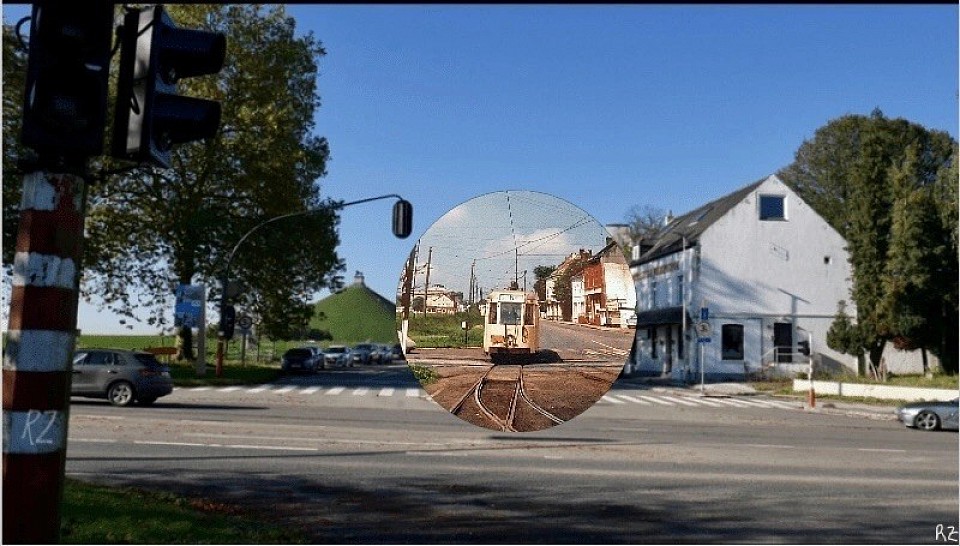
[402,226]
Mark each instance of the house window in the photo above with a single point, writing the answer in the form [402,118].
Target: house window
[773,207]
[732,341]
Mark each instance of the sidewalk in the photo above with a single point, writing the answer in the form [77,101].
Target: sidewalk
[882,412]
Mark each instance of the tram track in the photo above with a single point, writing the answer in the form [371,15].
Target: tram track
[498,400]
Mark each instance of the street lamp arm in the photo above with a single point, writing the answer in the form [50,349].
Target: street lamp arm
[292,214]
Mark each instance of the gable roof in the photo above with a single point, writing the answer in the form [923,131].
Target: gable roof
[692,224]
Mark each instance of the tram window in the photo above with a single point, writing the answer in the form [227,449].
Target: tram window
[510,313]
[530,313]
[492,314]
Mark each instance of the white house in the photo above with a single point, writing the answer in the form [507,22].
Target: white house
[768,270]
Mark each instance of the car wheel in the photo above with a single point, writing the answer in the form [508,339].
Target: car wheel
[927,420]
[120,393]
[146,401]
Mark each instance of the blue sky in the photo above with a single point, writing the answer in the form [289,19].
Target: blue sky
[602,106]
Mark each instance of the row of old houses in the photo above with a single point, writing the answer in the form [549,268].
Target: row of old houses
[592,288]
[743,284]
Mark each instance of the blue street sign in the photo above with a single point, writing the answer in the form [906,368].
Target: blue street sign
[703,340]
[704,313]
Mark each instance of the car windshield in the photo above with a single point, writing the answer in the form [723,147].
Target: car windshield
[297,353]
[337,350]
[364,347]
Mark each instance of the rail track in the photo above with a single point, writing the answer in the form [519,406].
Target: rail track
[499,401]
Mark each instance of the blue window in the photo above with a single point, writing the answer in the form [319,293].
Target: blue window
[772,207]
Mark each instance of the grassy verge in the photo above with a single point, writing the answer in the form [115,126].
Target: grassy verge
[433,331]
[184,374]
[424,374]
[94,514]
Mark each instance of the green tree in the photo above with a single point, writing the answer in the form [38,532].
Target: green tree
[644,224]
[542,273]
[854,172]
[149,230]
[14,73]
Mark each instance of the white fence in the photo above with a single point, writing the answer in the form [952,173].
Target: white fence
[884,392]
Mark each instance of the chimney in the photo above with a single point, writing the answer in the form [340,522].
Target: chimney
[358,278]
[668,218]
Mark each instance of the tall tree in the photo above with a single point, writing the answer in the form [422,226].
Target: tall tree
[644,223]
[542,273]
[864,175]
[151,229]
[14,73]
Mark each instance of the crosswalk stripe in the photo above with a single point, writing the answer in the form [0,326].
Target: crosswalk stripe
[198,389]
[284,390]
[611,399]
[655,400]
[709,402]
[679,400]
[385,392]
[229,389]
[413,392]
[754,403]
[361,391]
[310,390]
[730,402]
[261,388]
[632,399]
[336,390]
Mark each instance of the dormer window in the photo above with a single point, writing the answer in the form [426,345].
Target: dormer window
[773,207]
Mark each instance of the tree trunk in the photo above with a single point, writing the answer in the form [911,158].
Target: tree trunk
[185,344]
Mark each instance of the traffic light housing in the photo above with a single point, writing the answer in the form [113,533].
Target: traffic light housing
[402,219]
[228,320]
[65,101]
[151,116]
[803,347]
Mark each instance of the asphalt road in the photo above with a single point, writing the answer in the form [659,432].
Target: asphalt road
[581,342]
[361,456]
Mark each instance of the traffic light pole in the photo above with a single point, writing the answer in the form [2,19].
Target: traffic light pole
[402,223]
[64,111]
[39,354]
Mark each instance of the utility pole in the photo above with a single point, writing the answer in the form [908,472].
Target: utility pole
[405,297]
[66,79]
[473,282]
[426,283]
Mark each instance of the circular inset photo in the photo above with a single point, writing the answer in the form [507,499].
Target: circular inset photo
[512,311]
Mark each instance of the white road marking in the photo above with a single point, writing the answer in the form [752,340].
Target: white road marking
[730,402]
[361,391]
[336,390]
[284,390]
[198,389]
[708,402]
[632,399]
[413,392]
[229,389]
[261,388]
[608,398]
[385,392]
[655,400]
[310,390]
[783,405]
[678,400]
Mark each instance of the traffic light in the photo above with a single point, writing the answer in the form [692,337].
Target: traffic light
[66,86]
[803,347]
[228,318]
[151,116]
[402,219]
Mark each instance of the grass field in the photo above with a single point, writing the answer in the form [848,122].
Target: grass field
[95,514]
[445,330]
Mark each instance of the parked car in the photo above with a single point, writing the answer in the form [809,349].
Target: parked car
[930,415]
[337,355]
[301,359]
[385,353]
[318,359]
[120,376]
[397,352]
[362,353]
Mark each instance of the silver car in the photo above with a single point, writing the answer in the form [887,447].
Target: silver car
[930,415]
[120,376]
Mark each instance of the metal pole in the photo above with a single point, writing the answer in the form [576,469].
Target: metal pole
[811,396]
[683,310]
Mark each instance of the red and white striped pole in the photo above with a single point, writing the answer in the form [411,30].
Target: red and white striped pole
[38,355]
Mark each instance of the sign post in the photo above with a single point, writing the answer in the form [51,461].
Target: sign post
[703,337]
